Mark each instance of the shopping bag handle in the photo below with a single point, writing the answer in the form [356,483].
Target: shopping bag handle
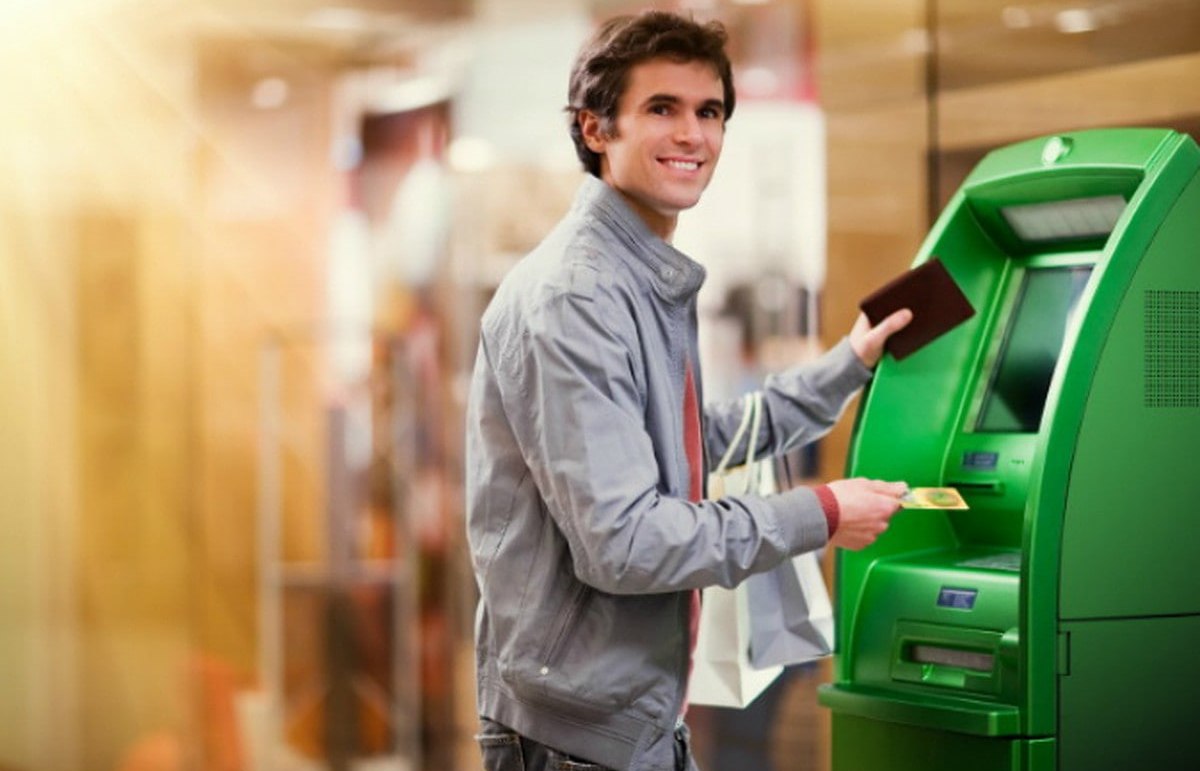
[752,419]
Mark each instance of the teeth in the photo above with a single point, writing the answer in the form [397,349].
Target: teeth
[684,165]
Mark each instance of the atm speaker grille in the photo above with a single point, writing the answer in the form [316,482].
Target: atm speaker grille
[1172,348]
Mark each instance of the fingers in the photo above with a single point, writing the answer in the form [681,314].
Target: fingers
[888,327]
[868,341]
[867,509]
[873,486]
[890,489]
[895,322]
[880,486]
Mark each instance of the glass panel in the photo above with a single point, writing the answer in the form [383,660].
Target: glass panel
[1065,220]
[1017,392]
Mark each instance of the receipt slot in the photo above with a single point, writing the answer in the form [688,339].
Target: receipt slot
[1055,624]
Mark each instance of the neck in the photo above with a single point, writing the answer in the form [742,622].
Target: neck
[661,225]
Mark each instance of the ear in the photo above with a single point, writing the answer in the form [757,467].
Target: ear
[593,136]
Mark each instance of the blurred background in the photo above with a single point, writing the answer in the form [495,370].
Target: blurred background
[244,248]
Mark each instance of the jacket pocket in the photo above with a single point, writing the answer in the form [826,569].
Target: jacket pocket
[604,655]
[552,654]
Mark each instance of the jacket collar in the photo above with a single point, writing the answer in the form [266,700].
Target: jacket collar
[674,275]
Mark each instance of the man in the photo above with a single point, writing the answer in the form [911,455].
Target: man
[587,451]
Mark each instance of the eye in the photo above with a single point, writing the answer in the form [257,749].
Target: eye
[710,113]
[660,109]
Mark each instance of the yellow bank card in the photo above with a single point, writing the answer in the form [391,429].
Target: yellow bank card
[933,498]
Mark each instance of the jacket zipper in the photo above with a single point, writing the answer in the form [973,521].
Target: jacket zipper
[685,597]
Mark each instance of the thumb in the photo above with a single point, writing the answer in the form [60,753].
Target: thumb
[891,325]
[869,346]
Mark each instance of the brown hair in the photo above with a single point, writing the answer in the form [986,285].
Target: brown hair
[601,71]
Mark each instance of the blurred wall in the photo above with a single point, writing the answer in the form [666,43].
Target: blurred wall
[94,355]
[154,228]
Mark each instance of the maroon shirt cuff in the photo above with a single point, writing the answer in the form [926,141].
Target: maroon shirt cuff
[829,505]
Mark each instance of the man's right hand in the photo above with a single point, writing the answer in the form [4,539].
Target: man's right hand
[865,508]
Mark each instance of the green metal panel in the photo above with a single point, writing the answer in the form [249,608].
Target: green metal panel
[873,745]
[1132,699]
[923,710]
[1130,543]
[1170,168]
[1039,755]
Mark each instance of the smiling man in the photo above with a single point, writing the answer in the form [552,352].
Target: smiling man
[662,149]
[587,446]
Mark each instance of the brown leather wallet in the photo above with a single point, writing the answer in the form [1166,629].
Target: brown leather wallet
[929,291]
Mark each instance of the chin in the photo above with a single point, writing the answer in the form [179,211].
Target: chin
[683,200]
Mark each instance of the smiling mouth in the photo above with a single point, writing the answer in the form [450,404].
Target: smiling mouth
[682,165]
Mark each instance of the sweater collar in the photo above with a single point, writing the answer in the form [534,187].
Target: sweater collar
[674,275]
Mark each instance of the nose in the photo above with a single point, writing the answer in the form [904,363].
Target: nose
[687,129]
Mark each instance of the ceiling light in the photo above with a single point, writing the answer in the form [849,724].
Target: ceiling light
[269,93]
[1074,21]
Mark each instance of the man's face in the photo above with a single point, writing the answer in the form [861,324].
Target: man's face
[669,130]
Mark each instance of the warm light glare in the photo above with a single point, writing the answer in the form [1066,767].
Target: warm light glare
[20,18]
[12,11]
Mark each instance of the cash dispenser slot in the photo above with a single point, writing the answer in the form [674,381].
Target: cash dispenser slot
[944,677]
[955,658]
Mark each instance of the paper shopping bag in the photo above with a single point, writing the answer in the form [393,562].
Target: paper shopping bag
[722,675]
[791,617]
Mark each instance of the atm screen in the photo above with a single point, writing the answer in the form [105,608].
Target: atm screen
[1016,392]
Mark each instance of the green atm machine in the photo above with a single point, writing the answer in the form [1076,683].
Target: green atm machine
[1055,624]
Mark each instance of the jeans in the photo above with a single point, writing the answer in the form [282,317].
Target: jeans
[505,750]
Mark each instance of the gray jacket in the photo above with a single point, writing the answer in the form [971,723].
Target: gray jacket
[583,541]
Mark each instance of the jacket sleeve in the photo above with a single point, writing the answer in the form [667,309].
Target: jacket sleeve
[800,405]
[577,412]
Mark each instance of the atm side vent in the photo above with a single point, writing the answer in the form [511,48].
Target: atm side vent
[1172,348]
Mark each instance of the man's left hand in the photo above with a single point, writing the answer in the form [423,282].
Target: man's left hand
[867,341]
